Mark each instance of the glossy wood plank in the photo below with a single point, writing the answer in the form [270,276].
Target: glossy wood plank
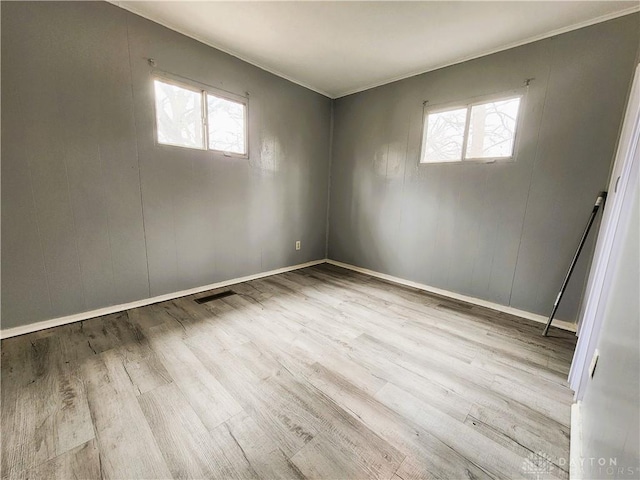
[44,404]
[427,456]
[206,395]
[317,373]
[497,460]
[189,449]
[265,457]
[127,447]
[82,462]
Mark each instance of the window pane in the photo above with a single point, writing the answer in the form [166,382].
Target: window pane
[226,125]
[444,136]
[492,129]
[178,115]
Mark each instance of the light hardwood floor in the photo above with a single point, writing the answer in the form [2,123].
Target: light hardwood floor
[318,373]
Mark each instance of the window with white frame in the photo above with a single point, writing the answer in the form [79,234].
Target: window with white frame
[481,131]
[193,117]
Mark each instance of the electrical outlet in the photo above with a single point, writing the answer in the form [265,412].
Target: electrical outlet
[594,363]
[297,244]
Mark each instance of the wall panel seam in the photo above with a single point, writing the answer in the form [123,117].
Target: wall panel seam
[135,133]
[533,168]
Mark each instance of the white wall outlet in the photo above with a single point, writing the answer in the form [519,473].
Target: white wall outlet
[594,363]
[297,244]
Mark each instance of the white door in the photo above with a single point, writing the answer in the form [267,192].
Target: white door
[624,179]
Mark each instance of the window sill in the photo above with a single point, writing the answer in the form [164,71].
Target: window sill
[472,161]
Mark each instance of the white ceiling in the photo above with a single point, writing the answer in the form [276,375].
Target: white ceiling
[338,48]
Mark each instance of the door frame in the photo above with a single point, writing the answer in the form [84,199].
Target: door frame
[621,184]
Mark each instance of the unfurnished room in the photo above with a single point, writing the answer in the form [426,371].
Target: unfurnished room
[325,240]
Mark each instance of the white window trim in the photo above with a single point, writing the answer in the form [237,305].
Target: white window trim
[444,107]
[203,89]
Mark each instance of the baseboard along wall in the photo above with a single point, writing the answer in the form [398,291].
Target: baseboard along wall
[563,324]
[54,322]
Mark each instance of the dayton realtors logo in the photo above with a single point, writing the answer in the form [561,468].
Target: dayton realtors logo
[599,467]
[539,465]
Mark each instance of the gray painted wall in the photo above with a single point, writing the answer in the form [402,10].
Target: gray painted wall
[502,232]
[609,410]
[94,213]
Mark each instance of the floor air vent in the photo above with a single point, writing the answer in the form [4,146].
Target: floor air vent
[215,296]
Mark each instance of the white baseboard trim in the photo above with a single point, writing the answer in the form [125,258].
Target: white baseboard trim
[55,322]
[570,326]
[575,443]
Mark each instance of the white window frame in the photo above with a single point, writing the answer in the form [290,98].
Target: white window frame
[468,105]
[204,90]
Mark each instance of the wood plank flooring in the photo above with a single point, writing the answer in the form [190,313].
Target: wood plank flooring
[317,373]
